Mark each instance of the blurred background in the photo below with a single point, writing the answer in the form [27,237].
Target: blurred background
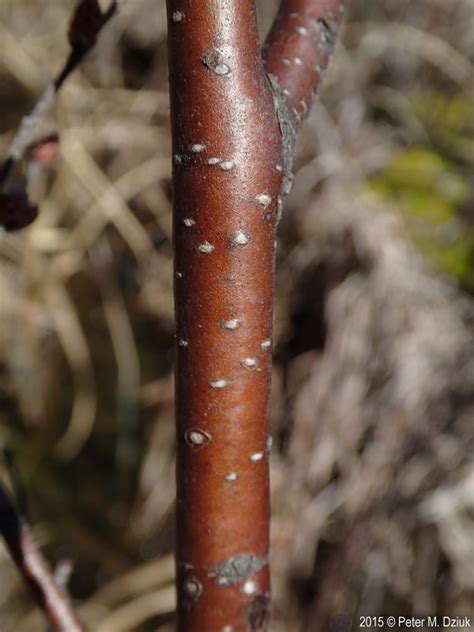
[373,391]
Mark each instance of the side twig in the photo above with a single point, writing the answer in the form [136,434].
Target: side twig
[298,49]
[34,570]
[296,54]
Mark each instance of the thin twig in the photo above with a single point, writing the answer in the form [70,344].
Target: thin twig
[34,569]
[31,122]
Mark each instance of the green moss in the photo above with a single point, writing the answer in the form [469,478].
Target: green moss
[448,122]
[428,189]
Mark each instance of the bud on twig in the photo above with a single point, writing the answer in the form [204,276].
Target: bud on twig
[16,211]
[45,150]
[86,23]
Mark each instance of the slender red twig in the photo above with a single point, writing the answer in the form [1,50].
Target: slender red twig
[35,571]
[87,22]
[15,212]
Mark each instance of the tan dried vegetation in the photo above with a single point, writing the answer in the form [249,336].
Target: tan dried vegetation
[373,480]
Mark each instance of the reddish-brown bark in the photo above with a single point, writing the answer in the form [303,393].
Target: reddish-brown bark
[227,175]
[233,137]
[298,49]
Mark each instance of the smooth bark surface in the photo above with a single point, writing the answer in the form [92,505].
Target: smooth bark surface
[298,49]
[227,176]
[233,137]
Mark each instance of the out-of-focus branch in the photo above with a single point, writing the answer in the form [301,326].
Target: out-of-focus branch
[34,569]
[87,22]
[298,50]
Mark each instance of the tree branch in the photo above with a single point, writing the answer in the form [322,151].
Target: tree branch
[227,177]
[34,570]
[234,125]
[298,49]
[86,24]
